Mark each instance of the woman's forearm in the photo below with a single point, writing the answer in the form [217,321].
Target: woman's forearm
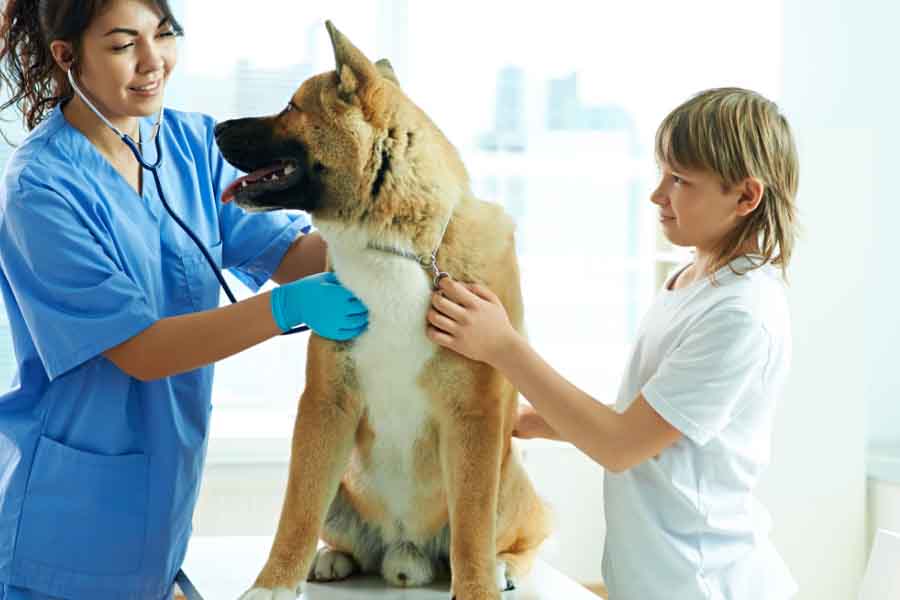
[306,256]
[577,417]
[177,344]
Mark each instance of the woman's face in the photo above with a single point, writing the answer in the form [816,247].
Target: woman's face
[127,55]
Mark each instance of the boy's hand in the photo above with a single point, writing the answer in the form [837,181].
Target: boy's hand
[529,425]
[469,319]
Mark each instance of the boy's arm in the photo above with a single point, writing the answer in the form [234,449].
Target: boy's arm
[473,322]
[618,441]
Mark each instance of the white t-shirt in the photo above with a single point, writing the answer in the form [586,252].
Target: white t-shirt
[711,360]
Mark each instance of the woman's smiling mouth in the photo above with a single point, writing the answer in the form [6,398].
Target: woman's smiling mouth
[148,89]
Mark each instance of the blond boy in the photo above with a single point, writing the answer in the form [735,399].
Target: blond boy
[690,431]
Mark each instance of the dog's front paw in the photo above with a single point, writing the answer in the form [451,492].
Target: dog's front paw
[331,565]
[266,594]
[503,582]
[478,594]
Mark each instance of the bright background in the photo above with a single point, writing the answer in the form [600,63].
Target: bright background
[550,122]
[554,106]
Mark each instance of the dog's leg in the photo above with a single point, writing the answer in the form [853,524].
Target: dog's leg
[523,523]
[323,438]
[517,559]
[471,443]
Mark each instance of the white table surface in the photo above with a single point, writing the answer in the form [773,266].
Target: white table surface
[222,568]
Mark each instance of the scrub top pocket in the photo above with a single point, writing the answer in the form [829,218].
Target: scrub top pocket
[203,285]
[85,512]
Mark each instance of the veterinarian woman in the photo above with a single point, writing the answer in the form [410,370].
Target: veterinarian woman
[113,310]
[690,431]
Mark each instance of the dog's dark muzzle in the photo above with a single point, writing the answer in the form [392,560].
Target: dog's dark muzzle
[279,175]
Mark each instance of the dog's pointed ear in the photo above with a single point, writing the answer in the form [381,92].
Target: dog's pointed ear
[354,70]
[386,69]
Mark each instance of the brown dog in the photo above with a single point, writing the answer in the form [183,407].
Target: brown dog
[402,458]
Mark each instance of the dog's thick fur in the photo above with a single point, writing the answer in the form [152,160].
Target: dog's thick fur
[401,458]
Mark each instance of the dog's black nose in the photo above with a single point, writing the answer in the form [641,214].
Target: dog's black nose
[221,127]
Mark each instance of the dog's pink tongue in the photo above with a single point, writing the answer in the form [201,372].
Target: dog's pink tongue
[232,190]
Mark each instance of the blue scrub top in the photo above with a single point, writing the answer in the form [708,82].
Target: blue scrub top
[99,471]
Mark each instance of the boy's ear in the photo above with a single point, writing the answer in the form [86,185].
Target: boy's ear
[752,190]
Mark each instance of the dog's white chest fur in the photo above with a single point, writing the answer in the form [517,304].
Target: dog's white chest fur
[389,358]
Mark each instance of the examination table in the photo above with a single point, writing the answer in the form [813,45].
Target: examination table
[222,568]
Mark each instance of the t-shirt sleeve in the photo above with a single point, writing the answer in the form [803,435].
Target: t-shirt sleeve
[700,386]
[253,244]
[74,298]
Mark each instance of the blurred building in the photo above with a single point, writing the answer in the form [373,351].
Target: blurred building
[509,132]
[563,108]
[565,178]
[565,112]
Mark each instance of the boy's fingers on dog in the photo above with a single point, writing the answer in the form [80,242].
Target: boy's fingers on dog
[456,292]
[484,293]
[439,337]
[440,298]
[448,307]
[441,322]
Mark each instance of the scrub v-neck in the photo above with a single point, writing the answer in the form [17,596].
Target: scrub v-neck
[142,135]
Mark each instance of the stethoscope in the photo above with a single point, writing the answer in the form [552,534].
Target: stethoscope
[154,169]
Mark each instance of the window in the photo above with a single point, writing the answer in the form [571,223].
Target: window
[553,109]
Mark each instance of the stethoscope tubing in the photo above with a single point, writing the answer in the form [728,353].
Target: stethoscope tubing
[154,170]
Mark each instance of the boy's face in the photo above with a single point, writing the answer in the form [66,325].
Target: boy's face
[694,210]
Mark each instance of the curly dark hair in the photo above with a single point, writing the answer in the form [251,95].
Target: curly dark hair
[31,79]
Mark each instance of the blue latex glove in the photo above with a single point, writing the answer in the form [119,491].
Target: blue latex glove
[320,301]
